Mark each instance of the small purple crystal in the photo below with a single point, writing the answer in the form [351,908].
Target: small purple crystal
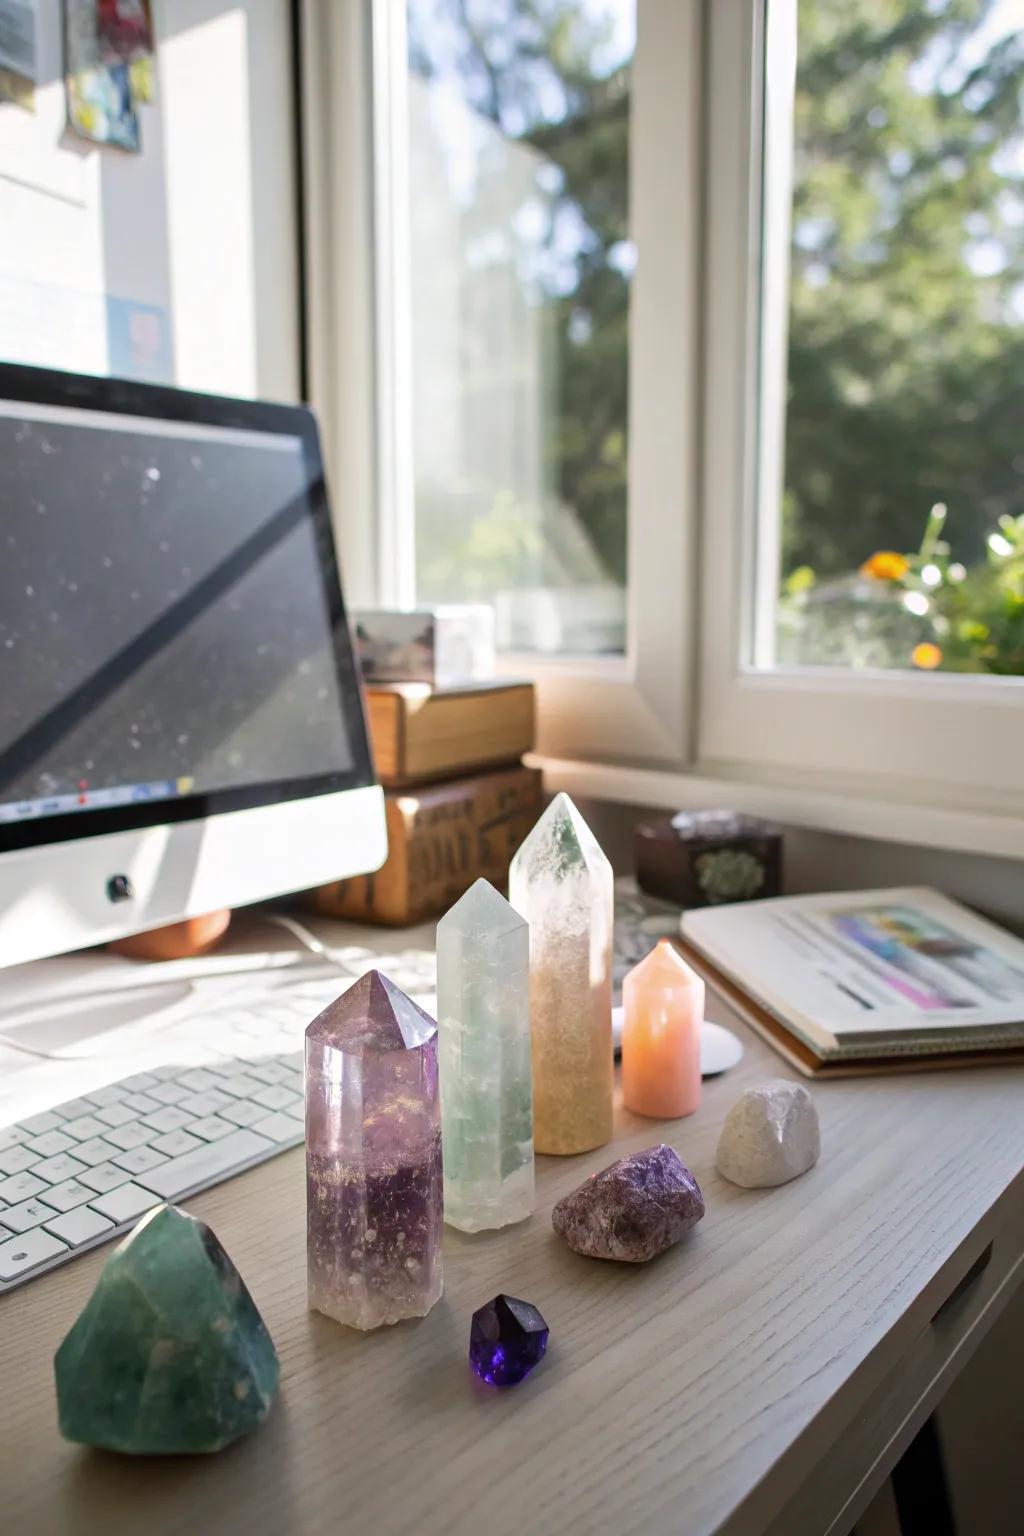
[633,1210]
[507,1339]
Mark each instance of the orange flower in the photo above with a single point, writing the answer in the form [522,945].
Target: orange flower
[926,656]
[885,565]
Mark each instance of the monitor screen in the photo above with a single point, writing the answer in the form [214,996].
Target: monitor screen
[172,640]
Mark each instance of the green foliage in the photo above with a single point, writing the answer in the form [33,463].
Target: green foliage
[921,609]
[906,355]
[906,324]
[538,68]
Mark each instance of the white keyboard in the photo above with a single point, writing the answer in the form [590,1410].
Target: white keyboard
[229,1096]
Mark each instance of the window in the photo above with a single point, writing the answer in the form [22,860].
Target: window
[678,560]
[863,566]
[901,540]
[535,422]
[519,268]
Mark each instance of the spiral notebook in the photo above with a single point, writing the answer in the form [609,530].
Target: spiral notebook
[867,980]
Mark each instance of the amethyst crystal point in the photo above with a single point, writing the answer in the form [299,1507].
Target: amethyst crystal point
[374,1205]
[633,1210]
[507,1338]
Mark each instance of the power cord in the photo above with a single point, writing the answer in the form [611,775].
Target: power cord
[298,930]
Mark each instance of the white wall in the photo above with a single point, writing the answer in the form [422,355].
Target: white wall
[197,232]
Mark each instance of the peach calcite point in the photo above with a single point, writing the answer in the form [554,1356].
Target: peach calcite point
[663,1004]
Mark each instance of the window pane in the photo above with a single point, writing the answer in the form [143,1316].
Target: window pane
[902,535]
[520,275]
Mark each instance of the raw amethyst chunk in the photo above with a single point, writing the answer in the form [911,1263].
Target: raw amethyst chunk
[633,1210]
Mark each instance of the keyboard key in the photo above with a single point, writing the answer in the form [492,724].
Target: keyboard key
[170,1118]
[128,1136]
[64,1197]
[40,1124]
[12,1136]
[30,1213]
[139,1159]
[245,1112]
[279,1128]
[84,1128]
[221,1069]
[56,1169]
[104,1176]
[142,1103]
[74,1109]
[116,1114]
[125,1203]
[205,1103]
[204,1166]
[104,1097]
[267,1071]
[79,1225]
[99,1150]
[198,1080]
[168,1093]
[176,1143]
[17,1159]
[241,1085]
[211,1128]
[50,1144]
[276,1098]
[22,1186]
[26,1252]
[139,1083]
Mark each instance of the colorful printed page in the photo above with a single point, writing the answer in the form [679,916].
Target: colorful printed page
[853,968]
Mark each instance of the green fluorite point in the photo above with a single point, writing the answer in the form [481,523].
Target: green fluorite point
[170,1354]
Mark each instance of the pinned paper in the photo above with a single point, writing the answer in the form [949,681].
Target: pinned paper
[19,59]
[109,68]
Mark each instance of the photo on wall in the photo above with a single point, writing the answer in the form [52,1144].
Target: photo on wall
[108,69]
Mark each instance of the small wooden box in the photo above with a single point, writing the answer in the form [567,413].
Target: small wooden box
[441,838]
[420,733]
[702,858]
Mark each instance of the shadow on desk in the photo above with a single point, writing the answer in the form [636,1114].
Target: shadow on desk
[108,1491]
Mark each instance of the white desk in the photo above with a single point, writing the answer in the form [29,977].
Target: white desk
[763,1376]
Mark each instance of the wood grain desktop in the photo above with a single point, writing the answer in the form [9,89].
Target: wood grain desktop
[763,1376]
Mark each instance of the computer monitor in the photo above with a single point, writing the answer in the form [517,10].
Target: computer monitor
[181,722]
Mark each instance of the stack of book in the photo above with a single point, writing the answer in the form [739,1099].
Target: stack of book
[459,799]
[866,981]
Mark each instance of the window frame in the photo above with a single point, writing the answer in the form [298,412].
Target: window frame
[876,733]
[680,718]
[630,705]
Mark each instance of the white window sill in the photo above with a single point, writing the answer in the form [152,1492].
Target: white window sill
[959,830]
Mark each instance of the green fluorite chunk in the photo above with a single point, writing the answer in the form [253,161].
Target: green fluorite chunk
[170,1354]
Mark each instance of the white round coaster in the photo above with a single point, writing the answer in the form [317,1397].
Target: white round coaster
[719,1047]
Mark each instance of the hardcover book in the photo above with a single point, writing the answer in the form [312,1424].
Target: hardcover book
[855,979]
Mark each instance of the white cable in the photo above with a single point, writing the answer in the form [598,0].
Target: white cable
[306,938]
[156,977]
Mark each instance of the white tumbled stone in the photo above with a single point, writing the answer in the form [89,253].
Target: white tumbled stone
[770,1135]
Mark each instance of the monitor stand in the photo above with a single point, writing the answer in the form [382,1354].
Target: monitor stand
[59,1003]
[177,941]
